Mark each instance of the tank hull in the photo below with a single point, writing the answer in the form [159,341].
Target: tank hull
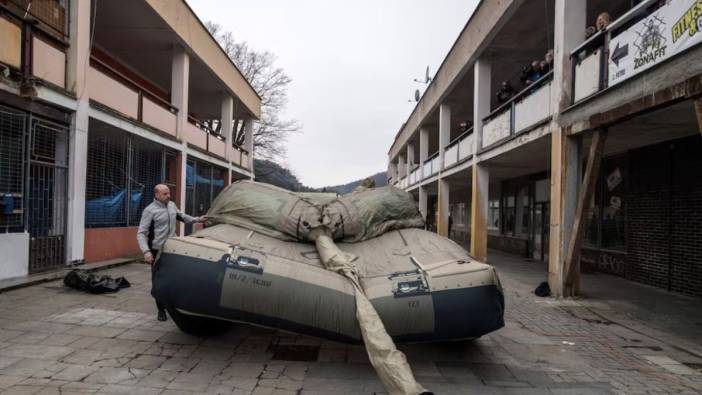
[285,287]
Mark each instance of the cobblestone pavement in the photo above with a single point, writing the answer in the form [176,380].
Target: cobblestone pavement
[57,340]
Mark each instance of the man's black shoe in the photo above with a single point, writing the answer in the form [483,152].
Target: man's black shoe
[162,315]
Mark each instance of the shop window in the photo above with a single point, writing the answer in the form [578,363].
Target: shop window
[122,171]
[106,192]
[494,215]
[613,203]
[12,170]
[526,210]
[510,214]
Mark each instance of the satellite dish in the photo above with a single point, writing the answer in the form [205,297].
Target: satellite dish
[416,95]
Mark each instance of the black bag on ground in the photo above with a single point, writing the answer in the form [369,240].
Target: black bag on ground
[93,283]
[543,290]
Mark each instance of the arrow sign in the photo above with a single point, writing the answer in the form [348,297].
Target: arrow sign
[620,53]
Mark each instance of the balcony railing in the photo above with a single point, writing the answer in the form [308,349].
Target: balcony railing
[459,149]
[526,109]
[30,51]
[609,56]
[112,89]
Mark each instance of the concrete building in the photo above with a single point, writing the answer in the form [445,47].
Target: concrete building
[594,165]
[99,101]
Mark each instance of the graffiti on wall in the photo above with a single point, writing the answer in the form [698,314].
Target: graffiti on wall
[603,261]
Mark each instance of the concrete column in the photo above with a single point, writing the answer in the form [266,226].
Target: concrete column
[76,73]
[423,145]
[423,203]
[410,158]
[180,77]
[249,143]
[443,200]
[401,166]
[444,130]
[227,120]
[480,172]
[481,99]
[565,151]
[479,212]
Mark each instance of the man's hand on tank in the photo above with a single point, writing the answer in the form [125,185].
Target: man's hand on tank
[149,257]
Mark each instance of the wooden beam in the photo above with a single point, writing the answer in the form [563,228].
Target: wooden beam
[584,200]
[698,110]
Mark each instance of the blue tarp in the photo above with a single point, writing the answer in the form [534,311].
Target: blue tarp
[110,209]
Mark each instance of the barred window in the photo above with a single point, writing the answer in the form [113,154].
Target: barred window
[12,126]
[106,180]
[146,171]
[50,12]
[204,182]
[122,172]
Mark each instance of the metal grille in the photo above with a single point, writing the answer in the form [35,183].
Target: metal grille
[203,188]
[122,172]
[12,170]
[51,12]
[146,159]
[106,180]
[47,195]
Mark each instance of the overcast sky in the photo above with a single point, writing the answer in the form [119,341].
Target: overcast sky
[352,66]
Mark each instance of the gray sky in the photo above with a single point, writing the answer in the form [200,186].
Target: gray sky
[352,65]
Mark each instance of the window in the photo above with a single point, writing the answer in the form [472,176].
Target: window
[204,182]
[122,172]
[509,215]
[50,12]
[494,214]
[12,174]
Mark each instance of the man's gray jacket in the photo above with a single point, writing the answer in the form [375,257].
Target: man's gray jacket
[161,220]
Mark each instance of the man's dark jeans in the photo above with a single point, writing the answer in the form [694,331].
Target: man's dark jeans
[154,267]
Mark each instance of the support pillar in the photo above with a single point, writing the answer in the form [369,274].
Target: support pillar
[77,69]
[227,120]
[180,77]
[698,110]
[410,158]
[481,174]
[565,151]
[444,131]
[479,212]
[443,200]
[423,203]
[401,166]
[249,143]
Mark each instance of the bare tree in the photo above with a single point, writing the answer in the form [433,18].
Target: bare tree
[271,83]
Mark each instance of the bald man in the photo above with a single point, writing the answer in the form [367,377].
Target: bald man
[158,223]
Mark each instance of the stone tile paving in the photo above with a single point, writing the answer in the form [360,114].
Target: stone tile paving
[56,340]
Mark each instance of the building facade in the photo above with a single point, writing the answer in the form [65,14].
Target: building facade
[571,142]
[100,101]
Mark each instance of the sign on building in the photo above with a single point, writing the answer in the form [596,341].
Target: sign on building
[668,31]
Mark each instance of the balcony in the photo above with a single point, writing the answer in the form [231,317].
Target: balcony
[431,166]
[527,109]
[458,150]
[617,54]
[45,57]
[113,89]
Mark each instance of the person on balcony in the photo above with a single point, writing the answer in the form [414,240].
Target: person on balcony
[603,20]
[505,93]
[158,223]
[531,73]
[547,63]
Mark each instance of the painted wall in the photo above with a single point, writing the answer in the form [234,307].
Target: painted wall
[14,259]
[109,243]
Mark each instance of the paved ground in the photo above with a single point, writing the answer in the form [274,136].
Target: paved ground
[56,340]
